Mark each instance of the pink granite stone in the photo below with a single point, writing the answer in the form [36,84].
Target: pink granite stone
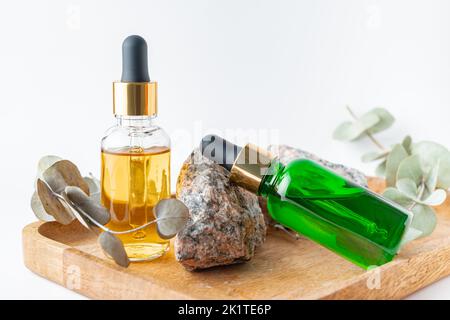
[226,224]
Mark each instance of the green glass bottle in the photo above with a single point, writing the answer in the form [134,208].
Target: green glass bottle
[346,218]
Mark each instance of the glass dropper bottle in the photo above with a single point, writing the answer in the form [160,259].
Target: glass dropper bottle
[346,218]
[135,156]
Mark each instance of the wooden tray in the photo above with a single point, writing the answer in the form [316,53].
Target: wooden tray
[282,268]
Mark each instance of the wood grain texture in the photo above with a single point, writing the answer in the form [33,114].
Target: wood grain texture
[283,268]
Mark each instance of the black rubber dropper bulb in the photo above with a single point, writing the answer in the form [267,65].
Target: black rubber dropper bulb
[219,150]
[134,60]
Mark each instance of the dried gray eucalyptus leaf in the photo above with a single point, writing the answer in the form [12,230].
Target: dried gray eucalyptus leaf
[171,216]
[93,184]
[64,173]
[52,205]
[45,163]
[85,222]
[38,209]
[114,248]
[79,199]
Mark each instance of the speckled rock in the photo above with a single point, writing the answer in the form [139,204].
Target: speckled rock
[226,223]
[286,154]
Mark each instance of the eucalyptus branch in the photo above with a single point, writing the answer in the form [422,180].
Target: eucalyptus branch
[63,195]
[106,229]
[409,168]
[367,133]
[420,192]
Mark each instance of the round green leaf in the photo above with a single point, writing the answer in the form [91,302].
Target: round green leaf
[349,131]
[432,153]
[424,219]
[385,119]
[410,168]
[368,121]
[410,235]
[408,187]
[407,144]
[380,170]
[436,198]
[393,160]
[398,197]
[431,179]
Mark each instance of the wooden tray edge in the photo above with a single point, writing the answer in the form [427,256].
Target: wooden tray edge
[72,269]
[34,244]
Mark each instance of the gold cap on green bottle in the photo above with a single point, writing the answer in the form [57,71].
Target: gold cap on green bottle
[250,166]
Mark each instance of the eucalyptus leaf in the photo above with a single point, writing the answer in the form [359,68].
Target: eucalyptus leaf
[114,248]
[372,156]
[410,235]
[52,205]
[38,209]
[431,180]
[386,119]
[436,198]
[368,121]
[432,153]
[380,170]
[79,199]
[82,219]
[408,187]
[424,219]
[410,168]
[171,216]
[93,184]
[64,173]
[94,187]
[407,144]
[398,197]
[349,131]
[444,173]
[393,160]
[45,163]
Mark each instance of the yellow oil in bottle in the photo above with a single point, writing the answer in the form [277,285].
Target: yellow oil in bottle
[133,181]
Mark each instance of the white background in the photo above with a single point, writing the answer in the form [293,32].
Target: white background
[284,68]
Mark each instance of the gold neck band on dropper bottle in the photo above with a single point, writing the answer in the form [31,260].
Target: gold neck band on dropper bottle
[135,98]
[250,166]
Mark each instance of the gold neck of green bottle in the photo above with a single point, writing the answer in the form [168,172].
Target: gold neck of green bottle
[250,166]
